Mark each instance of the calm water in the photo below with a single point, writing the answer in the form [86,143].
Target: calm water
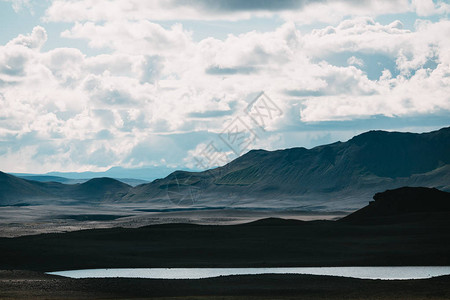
[386,273]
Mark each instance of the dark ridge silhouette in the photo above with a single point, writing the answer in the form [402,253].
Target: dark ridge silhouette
[274,222]
[403,204]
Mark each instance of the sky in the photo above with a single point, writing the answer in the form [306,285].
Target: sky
[86,85]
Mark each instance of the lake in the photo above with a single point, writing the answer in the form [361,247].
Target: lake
[386,273]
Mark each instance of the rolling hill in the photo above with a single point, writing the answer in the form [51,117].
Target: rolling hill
[14,191]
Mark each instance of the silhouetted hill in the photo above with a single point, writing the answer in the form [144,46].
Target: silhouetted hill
[274,222]
[334,176]
[403,204]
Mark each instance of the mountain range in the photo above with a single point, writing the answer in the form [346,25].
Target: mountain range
[342,175]
[338,176]
[135,175]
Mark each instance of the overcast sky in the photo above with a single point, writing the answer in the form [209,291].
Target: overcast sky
[91,84]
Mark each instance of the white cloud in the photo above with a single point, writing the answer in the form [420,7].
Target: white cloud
[303,12]
[141,37]
[355,61]
[335,11]
[35,40]
[157,84]
[429,7]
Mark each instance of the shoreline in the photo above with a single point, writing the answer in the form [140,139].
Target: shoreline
[25,285]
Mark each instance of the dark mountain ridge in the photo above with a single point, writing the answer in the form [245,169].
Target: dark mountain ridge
[350,171]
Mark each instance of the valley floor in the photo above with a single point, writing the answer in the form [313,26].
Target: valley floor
[18,221]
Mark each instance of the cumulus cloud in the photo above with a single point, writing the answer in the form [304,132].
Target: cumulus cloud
[158,90]
[35,40]
[355,61]
[429,7]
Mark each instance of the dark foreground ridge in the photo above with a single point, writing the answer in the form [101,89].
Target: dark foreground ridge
[402,205]
[407,237]
[30,285]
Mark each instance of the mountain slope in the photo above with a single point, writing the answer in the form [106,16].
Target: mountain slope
[14,190]
[344,175]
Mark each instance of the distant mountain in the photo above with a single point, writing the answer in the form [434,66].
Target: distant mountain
[132,177]
[14,191]
[335,176]
[407,203]
[146,174]
[50,178]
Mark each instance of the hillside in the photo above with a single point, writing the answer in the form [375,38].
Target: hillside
[100,189]
[14,190]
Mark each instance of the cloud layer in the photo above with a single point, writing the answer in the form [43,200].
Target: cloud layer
[300,11]
[155,94]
